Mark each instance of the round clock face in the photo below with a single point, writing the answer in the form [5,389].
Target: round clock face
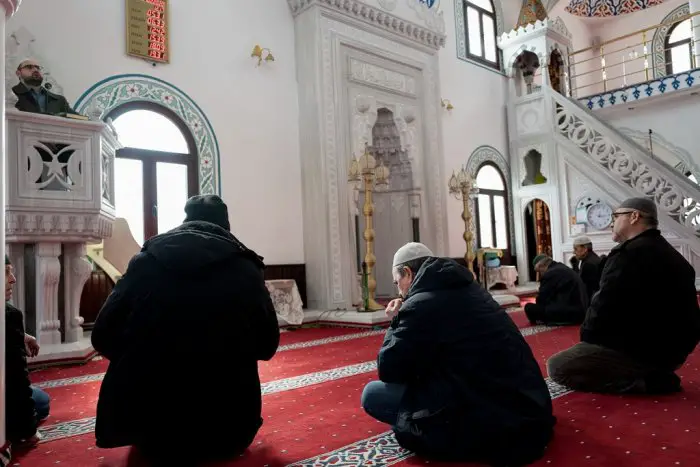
[599,216]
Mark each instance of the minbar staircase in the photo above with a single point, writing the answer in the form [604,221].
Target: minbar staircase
[612,158]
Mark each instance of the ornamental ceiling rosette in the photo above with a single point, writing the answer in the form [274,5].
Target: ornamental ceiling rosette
[608,8]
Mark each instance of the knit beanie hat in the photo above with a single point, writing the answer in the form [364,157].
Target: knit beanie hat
[539,258]
[207,208]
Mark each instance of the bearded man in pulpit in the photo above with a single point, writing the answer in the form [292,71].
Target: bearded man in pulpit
[191,310]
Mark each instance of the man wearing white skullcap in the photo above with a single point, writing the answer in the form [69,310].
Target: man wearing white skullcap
[456,378]
[587,263]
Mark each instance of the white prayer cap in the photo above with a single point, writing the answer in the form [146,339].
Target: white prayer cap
[583,240]
[411,251]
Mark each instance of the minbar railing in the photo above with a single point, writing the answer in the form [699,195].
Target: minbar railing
[631,59]
[60,197]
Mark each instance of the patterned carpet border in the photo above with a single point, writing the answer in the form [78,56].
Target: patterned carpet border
[55,383]
[87,425]
[382,449]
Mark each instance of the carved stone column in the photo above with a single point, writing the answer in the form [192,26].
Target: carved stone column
[48,274]
[16,253]
[76,270]
[10,7]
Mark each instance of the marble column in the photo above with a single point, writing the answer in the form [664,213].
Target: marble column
[10,9]
[694,7]
[76,269]
[47,269]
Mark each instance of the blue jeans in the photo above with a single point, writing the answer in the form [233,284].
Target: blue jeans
[41,403]
[381,400]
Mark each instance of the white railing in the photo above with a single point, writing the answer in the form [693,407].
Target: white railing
[629,59]
[674,194]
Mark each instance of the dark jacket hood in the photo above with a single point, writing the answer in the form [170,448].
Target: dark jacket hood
[440,274]
[197,245]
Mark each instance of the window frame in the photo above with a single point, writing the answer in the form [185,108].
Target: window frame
[481,59]
[149,159]
[492,212]
[668,45]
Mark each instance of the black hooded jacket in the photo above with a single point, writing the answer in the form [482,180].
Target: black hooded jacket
[20,417]
[474,390]
[191,312]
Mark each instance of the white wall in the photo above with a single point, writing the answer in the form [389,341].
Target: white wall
[254,111]
[672,118]
[478,118]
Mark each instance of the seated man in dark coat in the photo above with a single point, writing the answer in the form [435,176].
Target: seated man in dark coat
[587,263]
[32,96]
[191,308]
[643,322]
[25,405]
[562,297]
[458,381]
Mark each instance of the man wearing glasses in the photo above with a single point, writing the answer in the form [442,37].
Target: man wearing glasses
[33,97]
[643,322]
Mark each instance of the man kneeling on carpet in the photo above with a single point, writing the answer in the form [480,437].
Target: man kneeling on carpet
[562,298]
[26,405]
[457,380]
[192,309]
[644,320]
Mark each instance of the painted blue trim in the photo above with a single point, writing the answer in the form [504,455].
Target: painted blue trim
[640,91]
[187,96]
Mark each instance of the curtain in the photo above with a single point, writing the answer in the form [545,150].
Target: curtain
[543,234]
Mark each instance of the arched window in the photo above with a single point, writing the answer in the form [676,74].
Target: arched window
[480,32]
[679,51]
[156,171]
[491,208]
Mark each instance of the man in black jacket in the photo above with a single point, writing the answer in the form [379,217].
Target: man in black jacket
[457,381]
[643,322]
[25,405]
[32,96]
[562,297]
[191,307]
[587,263]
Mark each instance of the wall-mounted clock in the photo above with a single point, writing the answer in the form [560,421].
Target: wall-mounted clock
[599,216]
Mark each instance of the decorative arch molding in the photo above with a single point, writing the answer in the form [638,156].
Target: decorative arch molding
[112,92]
[510,69]
[658,43]
[478,158]
[461,32]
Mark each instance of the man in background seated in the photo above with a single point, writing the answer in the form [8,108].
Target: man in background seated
[191,309]
[457,380]
[561,298]
[587,263]
[26,405]
[643,322]
[32,96]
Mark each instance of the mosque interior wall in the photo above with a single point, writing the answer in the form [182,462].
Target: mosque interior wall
[253,110]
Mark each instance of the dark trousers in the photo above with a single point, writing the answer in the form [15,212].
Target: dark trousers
[556,317]
[594,368]
[381,401]
[42,403]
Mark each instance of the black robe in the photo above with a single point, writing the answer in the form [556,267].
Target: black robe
[183,330]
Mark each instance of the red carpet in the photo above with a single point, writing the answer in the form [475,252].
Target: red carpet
[313,418]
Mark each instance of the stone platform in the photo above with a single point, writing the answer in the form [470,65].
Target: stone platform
[353,318]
